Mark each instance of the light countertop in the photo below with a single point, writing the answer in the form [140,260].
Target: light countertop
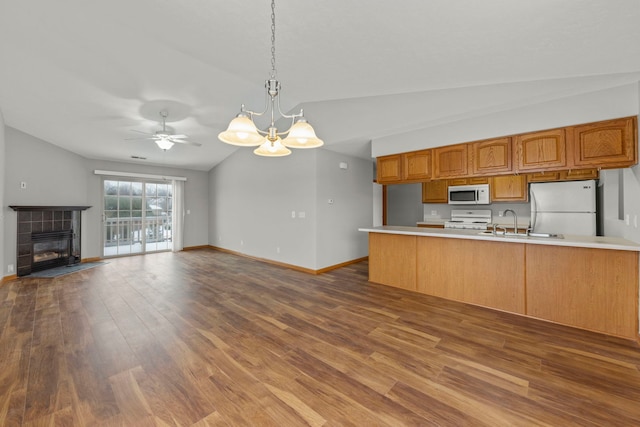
[596,242]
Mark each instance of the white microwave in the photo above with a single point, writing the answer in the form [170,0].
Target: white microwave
[469,194]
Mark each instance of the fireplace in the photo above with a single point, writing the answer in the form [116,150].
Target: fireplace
[48,237]
[51,249]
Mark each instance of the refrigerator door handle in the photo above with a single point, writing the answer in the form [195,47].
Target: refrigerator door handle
[534,211]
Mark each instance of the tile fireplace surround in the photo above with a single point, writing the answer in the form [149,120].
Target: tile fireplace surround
[44,219]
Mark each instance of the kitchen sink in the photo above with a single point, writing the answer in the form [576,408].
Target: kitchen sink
[503,234]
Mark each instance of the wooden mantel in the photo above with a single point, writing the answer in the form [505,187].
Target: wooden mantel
[18,208]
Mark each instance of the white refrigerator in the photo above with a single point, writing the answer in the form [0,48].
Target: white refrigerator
[564,207]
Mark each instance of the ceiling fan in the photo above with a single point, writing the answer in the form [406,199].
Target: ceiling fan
[165,138]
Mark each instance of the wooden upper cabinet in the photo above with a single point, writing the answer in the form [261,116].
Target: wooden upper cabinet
[416,166]
[491,157]
[450,161]
[546,150]
[435,192]
[606,144]
[544,176]
[573,152]
[389,169]
[509,188]
[578,174]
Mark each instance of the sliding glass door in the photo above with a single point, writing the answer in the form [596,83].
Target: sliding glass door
[137,217]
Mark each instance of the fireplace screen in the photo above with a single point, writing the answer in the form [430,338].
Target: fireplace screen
[51,248]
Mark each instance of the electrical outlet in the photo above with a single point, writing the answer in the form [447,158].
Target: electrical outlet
[635,221]
[434,213]
[23,185]
[278,250]
[626,219]
[302,214]
[241,242]
[10,268]
[293,214]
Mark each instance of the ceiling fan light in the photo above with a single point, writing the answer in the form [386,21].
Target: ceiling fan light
[302,135]
[164,143]
[242,132]
[272,149]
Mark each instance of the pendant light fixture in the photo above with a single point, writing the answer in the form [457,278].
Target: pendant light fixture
[243,132]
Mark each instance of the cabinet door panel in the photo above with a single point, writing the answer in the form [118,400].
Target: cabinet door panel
[467,271]
[392,260]
[435,192]
[417,165]
[594,289]
[577,174]
[544,176]
[606,144]
[479,180]
[541,150]
[450,161]
[509,188]
[389,169]
[492,156]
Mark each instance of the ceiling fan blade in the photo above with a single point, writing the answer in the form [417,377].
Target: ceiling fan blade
[139,139]
[139,131]
[178,136]
[180,141]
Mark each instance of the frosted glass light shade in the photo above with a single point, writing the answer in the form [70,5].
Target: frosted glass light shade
[272,149]
[164,143]
[241,131]
[302,135]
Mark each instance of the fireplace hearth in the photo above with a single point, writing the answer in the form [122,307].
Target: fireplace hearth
[48,237]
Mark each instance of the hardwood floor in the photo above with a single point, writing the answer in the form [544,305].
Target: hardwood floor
[207,338]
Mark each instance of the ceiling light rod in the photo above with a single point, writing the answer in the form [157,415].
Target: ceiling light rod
[243,132]
[163,141]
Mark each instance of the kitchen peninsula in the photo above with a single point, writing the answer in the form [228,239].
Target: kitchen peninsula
[585,282]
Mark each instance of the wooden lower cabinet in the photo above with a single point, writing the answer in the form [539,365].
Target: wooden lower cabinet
[392,260]
[467,271]
[592,289]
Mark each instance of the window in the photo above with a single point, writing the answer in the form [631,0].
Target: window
[137,217]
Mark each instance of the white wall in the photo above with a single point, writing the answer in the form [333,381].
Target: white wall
[252,199]
[251,203]
[53,176]
[58,177]
[338,237]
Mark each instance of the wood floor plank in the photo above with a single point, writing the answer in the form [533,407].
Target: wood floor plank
[207,338]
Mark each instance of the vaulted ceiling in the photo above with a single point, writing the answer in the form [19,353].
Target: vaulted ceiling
[84,75]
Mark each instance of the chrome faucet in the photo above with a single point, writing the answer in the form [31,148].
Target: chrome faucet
[515,219]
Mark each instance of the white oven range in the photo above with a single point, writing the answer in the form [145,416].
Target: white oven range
[469,219]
